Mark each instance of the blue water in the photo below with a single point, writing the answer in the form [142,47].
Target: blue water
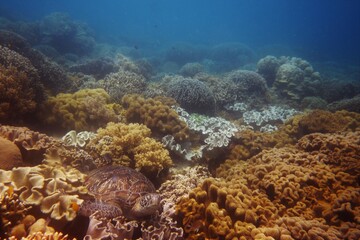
[316,30]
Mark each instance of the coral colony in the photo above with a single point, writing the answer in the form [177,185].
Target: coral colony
[97,142]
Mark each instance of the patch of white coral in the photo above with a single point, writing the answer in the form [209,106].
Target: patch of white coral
[217,130]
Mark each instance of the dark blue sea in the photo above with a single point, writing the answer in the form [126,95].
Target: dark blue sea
[315,30]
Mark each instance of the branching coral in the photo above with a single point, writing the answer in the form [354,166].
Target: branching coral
[130,145]
[12,210]
[160,118]
[87,109]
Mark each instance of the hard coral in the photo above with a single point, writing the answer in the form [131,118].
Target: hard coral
[19,86]
[10,155]
[157,116]
[192,94]
[86,109]
[130,145]
[123,82]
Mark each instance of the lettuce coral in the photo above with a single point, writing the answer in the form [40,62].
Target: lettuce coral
[130,145]
[157,116]
[51,187]
[86,109]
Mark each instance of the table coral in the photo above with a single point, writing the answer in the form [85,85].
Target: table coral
[130,145]
[159,117]
[86,109]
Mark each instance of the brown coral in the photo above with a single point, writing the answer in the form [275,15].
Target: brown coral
[130,145]
[160,118]
[87,109]
[32,145]
[17,97]
[279,193]
[10,155]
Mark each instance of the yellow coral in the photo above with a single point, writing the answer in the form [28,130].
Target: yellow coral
[86,109]
[130,145]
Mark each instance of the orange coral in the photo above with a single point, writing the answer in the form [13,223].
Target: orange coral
[279,193]
[86,109]
[160,118]
[130,145]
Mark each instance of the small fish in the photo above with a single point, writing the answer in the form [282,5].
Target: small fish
[10,191]
[74,206]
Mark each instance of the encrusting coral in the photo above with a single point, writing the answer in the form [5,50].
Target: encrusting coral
[86,109]
[282,193]
[130,145]
[156,115]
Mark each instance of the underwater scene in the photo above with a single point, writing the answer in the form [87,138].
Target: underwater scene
[161,119]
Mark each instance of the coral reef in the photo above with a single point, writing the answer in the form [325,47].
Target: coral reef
[191,94]
[266,195]
[130,145]
[268,67]
[99,68]
[351,105]
[10,155]
[191,69]
[86,109]
[157,116]
[51,75]
[32,145]
[12,210]
[19,86]
[65,35]
[52,188]
[123,82]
